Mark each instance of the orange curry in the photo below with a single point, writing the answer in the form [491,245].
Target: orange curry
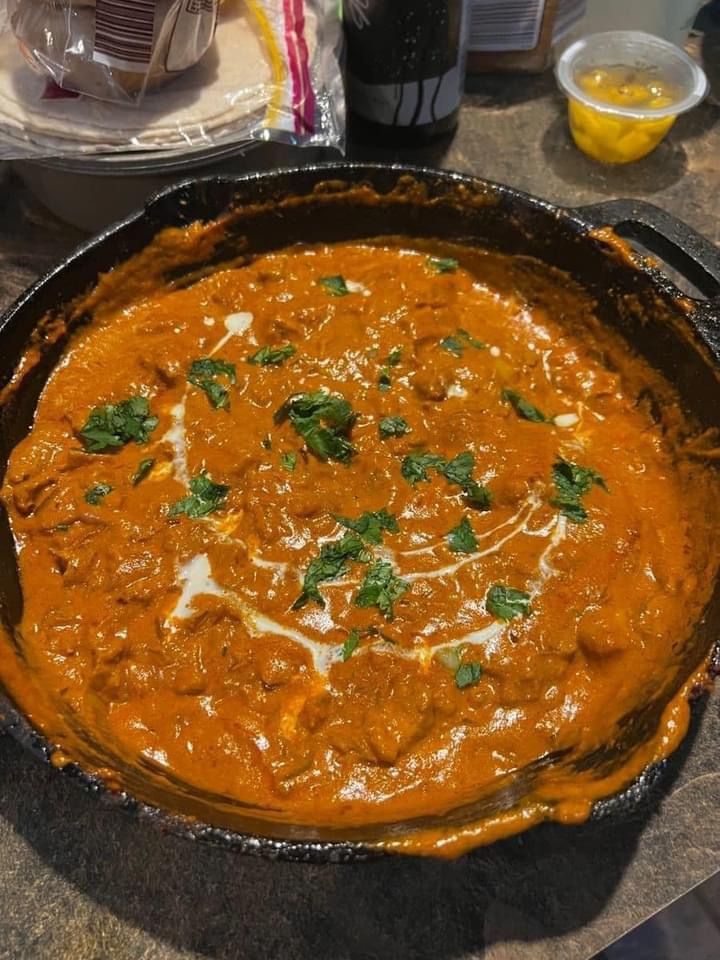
[349,535]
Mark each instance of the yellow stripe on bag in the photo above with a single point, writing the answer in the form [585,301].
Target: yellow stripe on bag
[277,63]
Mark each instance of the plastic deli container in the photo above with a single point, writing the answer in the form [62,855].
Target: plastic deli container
[625,90]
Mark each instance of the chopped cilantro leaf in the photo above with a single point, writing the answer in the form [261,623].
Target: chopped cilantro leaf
[143,469]
[392,360]
[415,466]
[204,373]
[335,286]
[271,356]
[504,602]
[381,589]
[393,427]
[370,526]
[468,674]
[116,424]
[459,470]
[571,483]
[477,495]
[443,264]
[461,538]
[288,461]
[572,509]
[523,408]
[205,497]
[350,645]
[452,345]
[384,379]
[95,495]
[457,342]
[470,340]
[329,565]
[323,420]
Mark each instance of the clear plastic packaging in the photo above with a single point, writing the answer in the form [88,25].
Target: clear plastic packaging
[113,50]
[89,77]
[625,89]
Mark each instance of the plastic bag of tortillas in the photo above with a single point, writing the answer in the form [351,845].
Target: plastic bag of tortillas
[102,76]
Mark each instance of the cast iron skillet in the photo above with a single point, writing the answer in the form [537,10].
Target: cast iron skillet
[637,300]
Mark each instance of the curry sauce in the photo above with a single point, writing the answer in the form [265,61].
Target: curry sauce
[354,535]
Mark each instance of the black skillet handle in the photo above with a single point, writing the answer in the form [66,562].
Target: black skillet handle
[682,248]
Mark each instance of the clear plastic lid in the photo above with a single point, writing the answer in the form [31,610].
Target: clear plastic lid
[639,51]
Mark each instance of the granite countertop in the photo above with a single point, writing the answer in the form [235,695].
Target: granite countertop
[78,881]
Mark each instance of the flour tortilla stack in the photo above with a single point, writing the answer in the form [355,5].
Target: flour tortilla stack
[218,100]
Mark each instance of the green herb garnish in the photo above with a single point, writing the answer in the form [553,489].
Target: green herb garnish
[271,356]
[459,470]
[504,602]
[457,342]
[335,286]
[477,495]
[392,360]
[370,526]
[452,345]
[443,264]
[381,589]
[288,461]
[96,494]
[468,674]
[415,466]
[350,645]
[523,408]
[205,497]
[324,421]
[461,538]
[204,373]
[571,483]
[393,427]
[116,424]
[143,469]
[329,565]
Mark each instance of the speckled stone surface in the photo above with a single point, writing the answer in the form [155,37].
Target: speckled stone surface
[80,882]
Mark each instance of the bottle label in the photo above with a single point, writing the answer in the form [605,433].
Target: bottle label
[407,104]
[406,59]
[498,26]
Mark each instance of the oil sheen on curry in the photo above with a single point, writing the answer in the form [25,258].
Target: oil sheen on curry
[354,535]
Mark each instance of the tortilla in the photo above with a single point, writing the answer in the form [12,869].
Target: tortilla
[221,97]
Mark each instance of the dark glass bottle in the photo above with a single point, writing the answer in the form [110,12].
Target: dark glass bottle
[405,68]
